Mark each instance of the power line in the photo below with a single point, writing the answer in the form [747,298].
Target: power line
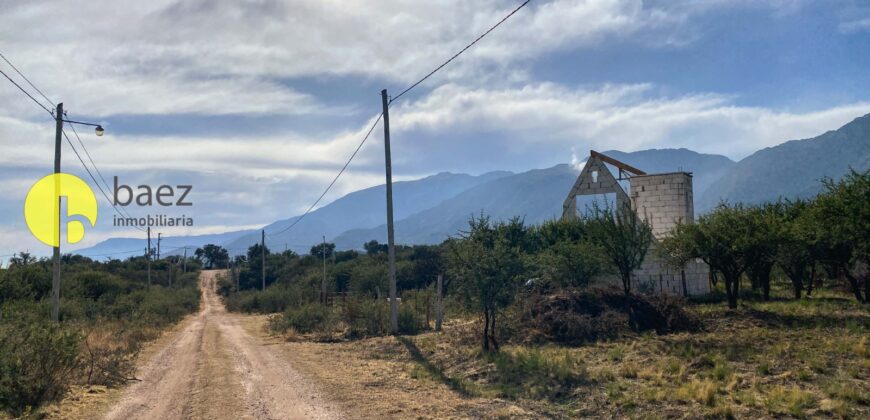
[100,174]
[328,187]
[408,89]
[50,102]
[114,207]
[460,51]
[88,154]
[27,93]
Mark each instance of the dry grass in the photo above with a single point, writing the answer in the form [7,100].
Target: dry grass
[798,359]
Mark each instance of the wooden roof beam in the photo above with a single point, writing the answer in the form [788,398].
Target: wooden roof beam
[623,166]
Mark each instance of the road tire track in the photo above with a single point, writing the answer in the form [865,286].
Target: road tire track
[213,368]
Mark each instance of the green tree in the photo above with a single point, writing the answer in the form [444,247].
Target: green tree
[320,249]
[624,239]
[212,256]
[797,253]
[488,265]
[842,212]
[762,245]
[565,253]
[372,247]
[722,239]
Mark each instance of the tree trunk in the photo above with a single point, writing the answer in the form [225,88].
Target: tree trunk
[760,277]
[798,285]
[626,283]
[853,282]
[683,280]
[866,289]
[731,291]
[492,335]
[485,329]
[812,280]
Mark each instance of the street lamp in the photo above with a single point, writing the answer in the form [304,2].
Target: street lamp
[99,131]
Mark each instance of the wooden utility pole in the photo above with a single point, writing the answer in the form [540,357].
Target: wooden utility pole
[323,281]
[148,256]
[391,246]
[439,303]
[55,259]
[263,256]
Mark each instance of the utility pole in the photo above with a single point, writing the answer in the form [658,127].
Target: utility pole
[55,260]
[159,235]
[184,270]
[148,255]
[391,246]
[263,256]
[439,303]
[323,282]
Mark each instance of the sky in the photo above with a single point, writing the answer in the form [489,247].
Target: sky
[258,103]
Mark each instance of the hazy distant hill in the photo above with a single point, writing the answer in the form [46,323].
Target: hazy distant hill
[535,195]
[429,209]
[121,248]
[363,209]
[793,169]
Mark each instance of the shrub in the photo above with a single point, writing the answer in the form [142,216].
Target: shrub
[577,316]
[37,363]
[306,319]
[410,322]
[366,317]
[108,357]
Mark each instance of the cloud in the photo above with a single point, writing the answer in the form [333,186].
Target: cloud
[215,57]
[624,117]
[855,26]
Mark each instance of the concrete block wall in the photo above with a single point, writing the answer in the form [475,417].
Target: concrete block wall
[664,200]
[654,277]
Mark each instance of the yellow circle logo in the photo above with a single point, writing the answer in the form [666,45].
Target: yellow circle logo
[42,208]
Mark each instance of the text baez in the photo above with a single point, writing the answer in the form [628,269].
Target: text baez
[164,195]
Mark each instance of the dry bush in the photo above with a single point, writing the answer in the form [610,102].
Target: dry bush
[108,357]
[576,316]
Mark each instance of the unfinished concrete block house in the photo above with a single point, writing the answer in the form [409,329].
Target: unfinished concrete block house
[664,200]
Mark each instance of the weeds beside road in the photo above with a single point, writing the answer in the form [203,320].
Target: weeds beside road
[806,358]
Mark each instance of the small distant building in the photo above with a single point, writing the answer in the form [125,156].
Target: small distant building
[664,200]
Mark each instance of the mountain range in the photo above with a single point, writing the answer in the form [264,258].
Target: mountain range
[430,209]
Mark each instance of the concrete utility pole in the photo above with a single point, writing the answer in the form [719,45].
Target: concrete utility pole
[184,264]
[148,255]
[159,236]
[323,282]
[391,246]
[263,256]
[55,259]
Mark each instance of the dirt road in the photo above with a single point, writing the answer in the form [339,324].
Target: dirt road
[213,368]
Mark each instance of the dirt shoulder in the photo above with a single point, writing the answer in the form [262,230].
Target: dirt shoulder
[380,378]
[207,367]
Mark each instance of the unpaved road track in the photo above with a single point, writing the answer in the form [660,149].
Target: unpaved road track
[214,369]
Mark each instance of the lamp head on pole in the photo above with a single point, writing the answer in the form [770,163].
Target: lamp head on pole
[99,131]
